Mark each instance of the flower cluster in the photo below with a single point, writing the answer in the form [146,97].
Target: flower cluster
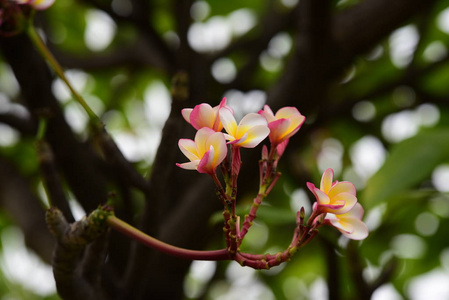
[248,133]
[336,201]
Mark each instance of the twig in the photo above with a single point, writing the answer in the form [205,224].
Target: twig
[52,182]
[113,154]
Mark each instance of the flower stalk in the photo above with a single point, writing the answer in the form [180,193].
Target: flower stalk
[256,261]
[154,243]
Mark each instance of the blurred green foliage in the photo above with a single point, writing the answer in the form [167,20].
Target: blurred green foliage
[395,197]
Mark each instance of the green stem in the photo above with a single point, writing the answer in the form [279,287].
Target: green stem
[41,129]
[149,241]
[42,48]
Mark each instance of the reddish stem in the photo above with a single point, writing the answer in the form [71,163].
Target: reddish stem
[267,182]
[149,241]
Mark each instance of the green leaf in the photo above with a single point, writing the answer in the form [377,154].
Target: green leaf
[409,162]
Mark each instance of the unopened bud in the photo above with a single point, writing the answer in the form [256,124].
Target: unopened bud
[302,213]
[320,219]
[264,152]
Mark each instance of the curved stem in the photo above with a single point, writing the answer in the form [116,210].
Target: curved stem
[149,241]
[42,48]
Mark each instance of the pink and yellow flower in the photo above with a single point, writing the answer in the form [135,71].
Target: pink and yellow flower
[333,197]
[206,152]
[203,115]
[350,224]
[251,130]
[284,124]
[37,4]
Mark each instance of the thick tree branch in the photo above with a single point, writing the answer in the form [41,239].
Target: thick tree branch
[137,55]
[72,239]
[159,50]
[124,169]
[305,80]
[160,184]
[360,28]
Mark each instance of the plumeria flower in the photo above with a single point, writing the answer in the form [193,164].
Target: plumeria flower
[333,197]
[349,224]
[251,130]
[37,4]
[206,152]
[203,115]
[14,14]
[284,124]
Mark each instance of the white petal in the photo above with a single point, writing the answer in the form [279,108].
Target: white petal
[188,148]
[201,137]
[228,121]
[193,165]
[186,114]
[255,136]
[326,180]
[342,187]
[250,120]
[359,232]
[322,197]
[355,212]
[217,140]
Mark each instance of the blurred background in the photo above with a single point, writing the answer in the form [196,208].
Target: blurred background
[371,77]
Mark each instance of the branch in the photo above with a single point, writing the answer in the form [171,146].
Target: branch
[139,18]
[72,239]
[158,201]
[364,289]
[115,157]
[110,148]
[76,161]
[22,205]
[94,260]
[23,125]
[323,54]
[306,77]
[273,22]
[358,29]
[181,12]
[137,55]
[410,78]
[252,45]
